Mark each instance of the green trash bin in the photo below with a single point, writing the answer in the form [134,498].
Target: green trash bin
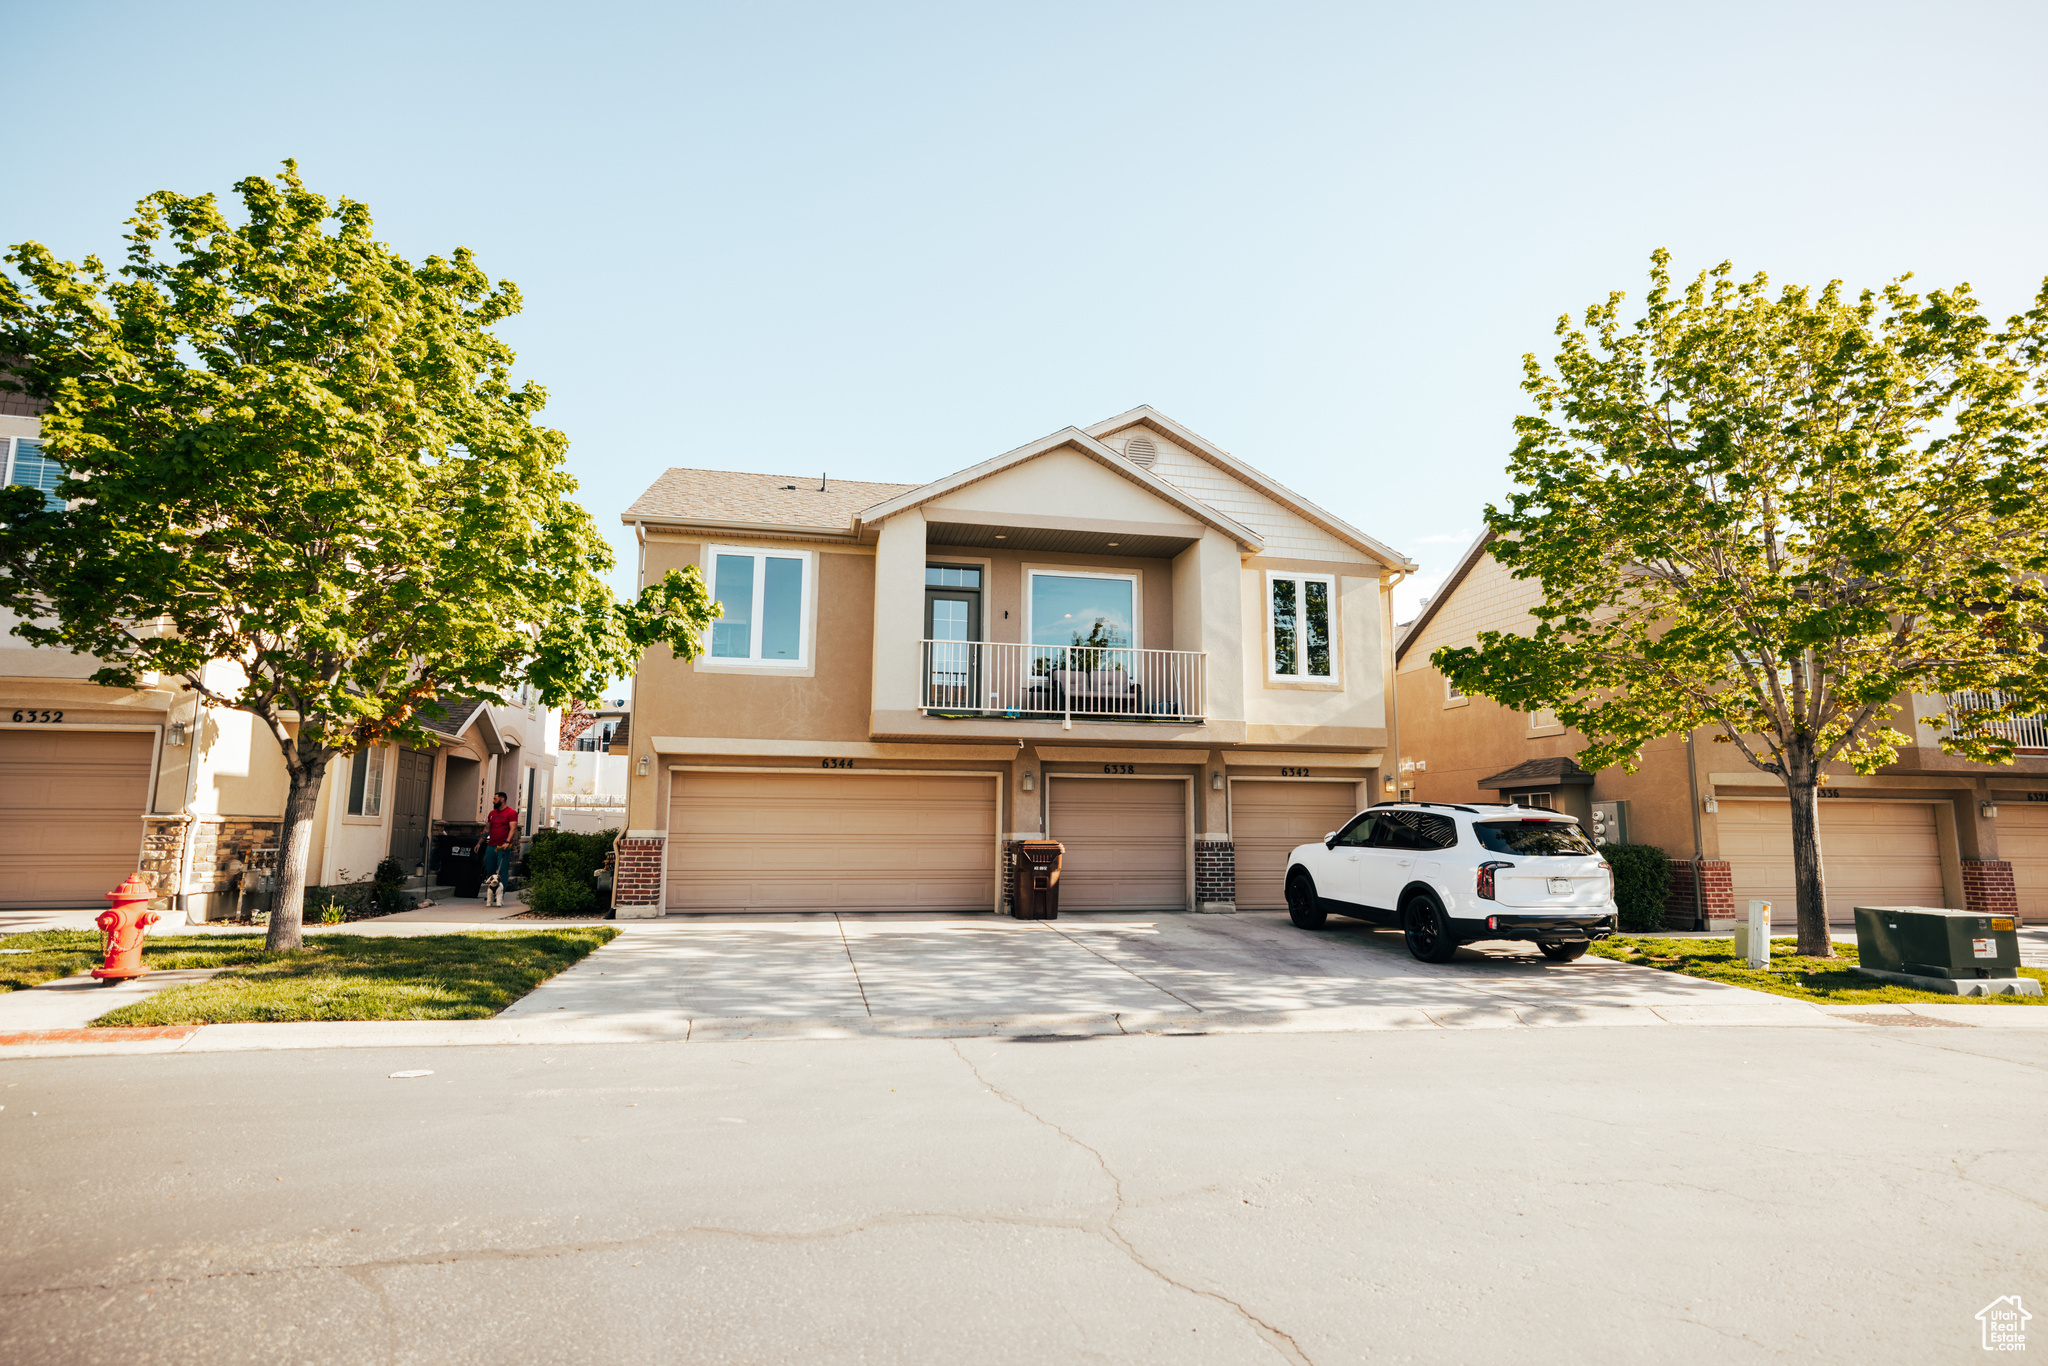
[1942,950]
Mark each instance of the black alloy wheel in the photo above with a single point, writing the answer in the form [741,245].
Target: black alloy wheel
[1564,953]
[1428,933]
[1303,906]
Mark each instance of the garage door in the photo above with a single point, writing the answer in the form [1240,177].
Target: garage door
[1126,840]
[2023,842]
[1267,821]
[1874,854]
[831,841]
[71,804]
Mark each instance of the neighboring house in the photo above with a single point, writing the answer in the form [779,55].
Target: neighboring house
[98,783]
[590,782]
[1122,638]
[1928,829]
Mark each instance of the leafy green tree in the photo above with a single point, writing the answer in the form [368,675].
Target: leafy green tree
[1773,515]
[304,483]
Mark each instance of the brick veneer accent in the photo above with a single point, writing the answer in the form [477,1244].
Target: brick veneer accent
[1717,892]
[1215,873]
[637,881]
[163,843]
[216,840]
[1988,887]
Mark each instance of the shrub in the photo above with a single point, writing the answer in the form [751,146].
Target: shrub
[352,899]
[555,892]
[575,856]
[387,892]
[1642,876]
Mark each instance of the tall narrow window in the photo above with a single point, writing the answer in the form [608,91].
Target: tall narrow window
[366,782]
[764,598]
[1301,608]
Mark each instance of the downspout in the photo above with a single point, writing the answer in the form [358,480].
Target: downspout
[1392,690]
[185,816]
[1692,783]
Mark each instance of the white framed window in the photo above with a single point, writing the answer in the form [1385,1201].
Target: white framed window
[767,598]
[1301,615]
[1452,693]
[22,462]
[366,782]
[1081,608]
[1543,718]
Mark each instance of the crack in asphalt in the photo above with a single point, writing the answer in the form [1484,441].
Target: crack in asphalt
[1279,1341]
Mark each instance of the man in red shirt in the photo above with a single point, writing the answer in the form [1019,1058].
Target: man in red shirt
[501,840]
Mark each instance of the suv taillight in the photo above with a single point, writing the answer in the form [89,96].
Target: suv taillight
[1485,880]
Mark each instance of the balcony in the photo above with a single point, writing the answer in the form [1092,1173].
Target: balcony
[983,679]
[2027,733]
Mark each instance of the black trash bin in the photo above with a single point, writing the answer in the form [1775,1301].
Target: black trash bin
[1035,879]
[457,862]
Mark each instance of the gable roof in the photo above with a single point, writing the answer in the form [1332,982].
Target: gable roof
[455,717]
[1072,438]
[732,498]
[842,509]
[1442,595]
[1144,415]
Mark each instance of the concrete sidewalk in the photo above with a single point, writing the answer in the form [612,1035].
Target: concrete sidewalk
[825,976]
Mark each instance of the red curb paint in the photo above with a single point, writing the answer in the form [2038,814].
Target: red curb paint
[136,1035]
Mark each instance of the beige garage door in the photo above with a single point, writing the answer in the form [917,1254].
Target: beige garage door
[1267,821]
[71,807]
[1126,840]
[1874,854]
[2023,842]
[831,842]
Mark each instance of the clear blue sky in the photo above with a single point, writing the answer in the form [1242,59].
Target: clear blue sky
[890,240]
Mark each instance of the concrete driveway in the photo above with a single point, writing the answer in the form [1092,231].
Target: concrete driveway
[827,966]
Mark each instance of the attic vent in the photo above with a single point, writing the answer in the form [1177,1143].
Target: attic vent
[1139,450]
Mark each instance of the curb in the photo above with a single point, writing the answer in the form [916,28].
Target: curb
[242,1038]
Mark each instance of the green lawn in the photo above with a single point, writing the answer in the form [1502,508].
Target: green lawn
[59,953]
[1809,979]
[466,976]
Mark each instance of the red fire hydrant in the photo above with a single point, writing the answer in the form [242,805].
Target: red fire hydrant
[124,926]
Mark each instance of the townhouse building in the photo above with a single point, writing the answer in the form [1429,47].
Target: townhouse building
[1121,637]
[98,783]
[1928,829]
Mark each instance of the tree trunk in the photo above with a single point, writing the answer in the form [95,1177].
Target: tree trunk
[287,902]
[1809,881]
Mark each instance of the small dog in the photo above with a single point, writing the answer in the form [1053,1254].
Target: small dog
[494,891]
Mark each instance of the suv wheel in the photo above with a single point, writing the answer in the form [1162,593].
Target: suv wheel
[1563,953]
[1427,930]
[1302,904]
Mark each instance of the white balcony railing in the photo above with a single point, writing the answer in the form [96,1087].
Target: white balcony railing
[1043,682]
[2025,732]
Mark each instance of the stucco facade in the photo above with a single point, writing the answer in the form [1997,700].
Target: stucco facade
[1188,540]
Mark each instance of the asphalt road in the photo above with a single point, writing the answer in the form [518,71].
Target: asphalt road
[1526,1196]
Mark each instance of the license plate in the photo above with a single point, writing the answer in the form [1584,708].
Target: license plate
[1560,886]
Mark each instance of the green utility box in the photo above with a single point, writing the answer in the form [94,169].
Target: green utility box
[1921,941]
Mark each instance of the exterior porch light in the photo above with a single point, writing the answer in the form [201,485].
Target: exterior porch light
[1990,810]
[1708,804]
[1216,780]
[642,769]
[1030,783]
[176,738]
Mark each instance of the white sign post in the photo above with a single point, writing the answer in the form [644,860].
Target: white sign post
[1759,933]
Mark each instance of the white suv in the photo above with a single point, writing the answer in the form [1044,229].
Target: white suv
[1446,874]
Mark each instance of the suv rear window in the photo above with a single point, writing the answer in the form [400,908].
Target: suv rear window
[1532,838]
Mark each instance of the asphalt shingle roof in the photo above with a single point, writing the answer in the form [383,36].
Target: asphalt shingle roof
[1537,772]
[682,495]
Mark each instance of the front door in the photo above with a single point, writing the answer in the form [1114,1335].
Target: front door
[952,623]
[412,801]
